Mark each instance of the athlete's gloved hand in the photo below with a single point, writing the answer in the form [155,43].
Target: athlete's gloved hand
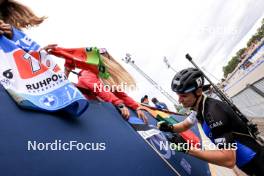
[163,126]
[123,110]
[179,143]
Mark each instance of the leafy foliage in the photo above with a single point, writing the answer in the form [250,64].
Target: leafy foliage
[232,64]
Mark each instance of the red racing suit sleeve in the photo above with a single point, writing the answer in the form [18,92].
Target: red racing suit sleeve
[91,81]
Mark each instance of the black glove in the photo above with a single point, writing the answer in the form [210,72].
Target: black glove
[180,144]
[163,126]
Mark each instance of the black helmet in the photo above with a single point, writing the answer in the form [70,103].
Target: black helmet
[143,98]
[154,100]
[187,80]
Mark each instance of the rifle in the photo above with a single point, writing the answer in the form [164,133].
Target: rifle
[252,127]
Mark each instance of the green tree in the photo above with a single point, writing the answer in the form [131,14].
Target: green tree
[232,64]
[241,52]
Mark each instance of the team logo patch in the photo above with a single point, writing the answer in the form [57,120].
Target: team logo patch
[199,81]
[176,82]
[220,141]
[49,100]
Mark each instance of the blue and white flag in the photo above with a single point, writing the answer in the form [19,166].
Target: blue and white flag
[34,80]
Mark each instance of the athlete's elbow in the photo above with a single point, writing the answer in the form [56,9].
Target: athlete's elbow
[230,163]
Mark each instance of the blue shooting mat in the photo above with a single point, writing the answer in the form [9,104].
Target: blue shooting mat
[125,152]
